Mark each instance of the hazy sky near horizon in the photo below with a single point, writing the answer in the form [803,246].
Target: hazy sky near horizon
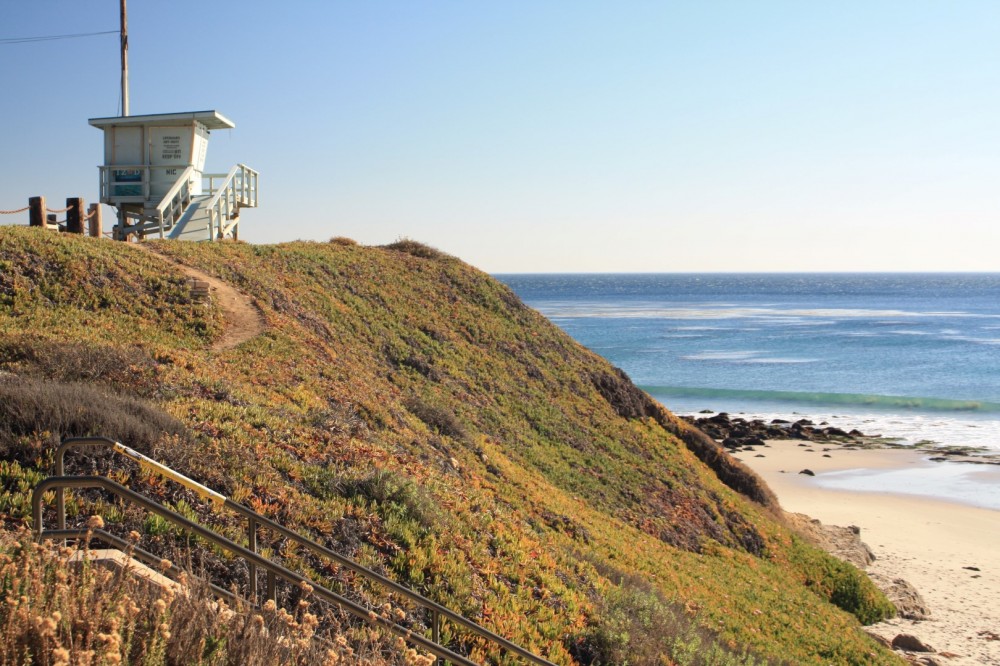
[530,136]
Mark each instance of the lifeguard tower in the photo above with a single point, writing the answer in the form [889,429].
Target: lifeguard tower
[154,175]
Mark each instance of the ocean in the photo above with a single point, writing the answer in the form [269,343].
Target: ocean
[915,357]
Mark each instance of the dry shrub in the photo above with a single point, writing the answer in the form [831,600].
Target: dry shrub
[438,419]
[129,368]
[344,241]
[634,624]
[416,249]
[339,419]
[389,490]
[34,409]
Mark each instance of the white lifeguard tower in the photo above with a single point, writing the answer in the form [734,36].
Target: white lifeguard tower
[154,175]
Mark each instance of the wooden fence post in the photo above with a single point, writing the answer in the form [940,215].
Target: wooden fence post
[96,228]
[74,215]
[36,211]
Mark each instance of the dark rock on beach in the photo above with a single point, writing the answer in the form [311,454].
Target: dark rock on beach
[910,643]
[736,433]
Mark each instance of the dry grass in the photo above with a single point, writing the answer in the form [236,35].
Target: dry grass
[56,611]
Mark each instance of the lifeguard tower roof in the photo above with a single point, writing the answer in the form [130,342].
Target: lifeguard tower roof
[212,120]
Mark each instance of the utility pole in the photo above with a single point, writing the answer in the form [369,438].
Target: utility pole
[124,43]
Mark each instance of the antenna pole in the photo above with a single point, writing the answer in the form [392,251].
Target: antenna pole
[124,42]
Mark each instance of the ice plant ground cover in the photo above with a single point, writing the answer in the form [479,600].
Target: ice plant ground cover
[409,411]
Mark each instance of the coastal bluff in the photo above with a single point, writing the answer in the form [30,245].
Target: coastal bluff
[411,412]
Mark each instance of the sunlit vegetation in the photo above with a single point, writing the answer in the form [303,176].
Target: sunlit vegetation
[410,412]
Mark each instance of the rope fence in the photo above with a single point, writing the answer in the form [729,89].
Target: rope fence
[77,220]
[87,216]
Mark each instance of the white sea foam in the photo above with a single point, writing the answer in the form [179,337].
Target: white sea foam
[781,361]
[742,357]
[713,355]
[976,341]
[964,483]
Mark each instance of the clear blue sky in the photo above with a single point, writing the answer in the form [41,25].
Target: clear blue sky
[553,136]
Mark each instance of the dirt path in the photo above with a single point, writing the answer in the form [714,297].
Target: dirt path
[243,319]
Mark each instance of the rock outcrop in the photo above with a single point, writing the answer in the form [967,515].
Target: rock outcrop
[736,434]
[907,600]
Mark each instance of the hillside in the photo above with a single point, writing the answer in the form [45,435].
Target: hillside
[409,411]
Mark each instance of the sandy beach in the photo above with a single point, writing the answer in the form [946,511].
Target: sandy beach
[950,552]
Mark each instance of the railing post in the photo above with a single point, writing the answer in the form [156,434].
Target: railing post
[60,491]
[94,223]
[36,211]
[252,545]
[74,215]
[271,592]
[436,632]
[60,506]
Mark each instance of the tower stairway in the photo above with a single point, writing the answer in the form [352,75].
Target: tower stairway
[210,212]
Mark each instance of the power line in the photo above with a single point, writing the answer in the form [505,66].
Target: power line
[52,38]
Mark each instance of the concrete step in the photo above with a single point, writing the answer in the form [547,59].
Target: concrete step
[118,562]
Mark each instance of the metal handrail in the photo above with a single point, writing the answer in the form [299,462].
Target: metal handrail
[255,520]
[273,569]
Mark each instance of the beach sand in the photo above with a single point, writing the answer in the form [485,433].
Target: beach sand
[925,541]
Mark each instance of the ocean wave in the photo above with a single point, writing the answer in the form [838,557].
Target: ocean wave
[893,402]
[975,341]
[742,357]
[721,356]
